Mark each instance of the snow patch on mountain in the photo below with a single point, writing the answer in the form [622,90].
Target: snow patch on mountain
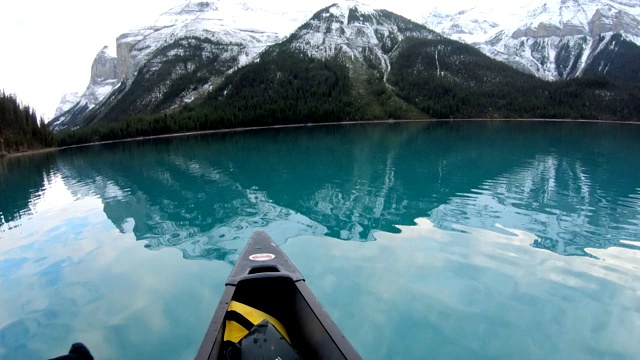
[356,31]
[225,21]
[67,101]
[552,39]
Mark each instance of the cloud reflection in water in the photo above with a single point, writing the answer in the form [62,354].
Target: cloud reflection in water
[474,293]
[77,278]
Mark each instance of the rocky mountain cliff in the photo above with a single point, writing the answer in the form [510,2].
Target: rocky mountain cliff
[104,78]
[554,39]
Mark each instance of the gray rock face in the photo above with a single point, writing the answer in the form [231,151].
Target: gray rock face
[103,67]
[606,20]
[544,30]
[124,62]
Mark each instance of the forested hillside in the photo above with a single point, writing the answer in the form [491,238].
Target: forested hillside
[20,129]
[448,79]
[429,78]
[285,87]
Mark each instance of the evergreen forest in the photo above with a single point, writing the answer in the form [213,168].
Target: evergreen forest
[20,128]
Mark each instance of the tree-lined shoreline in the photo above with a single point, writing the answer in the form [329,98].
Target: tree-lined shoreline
[255,128]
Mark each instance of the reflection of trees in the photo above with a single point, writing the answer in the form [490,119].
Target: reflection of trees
[21,180]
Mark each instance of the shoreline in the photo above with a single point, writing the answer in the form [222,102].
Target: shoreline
[38,151]
[28,152]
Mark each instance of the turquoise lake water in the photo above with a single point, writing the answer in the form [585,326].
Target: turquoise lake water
[451,240]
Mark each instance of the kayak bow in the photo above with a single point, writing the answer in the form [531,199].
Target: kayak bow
[264,284]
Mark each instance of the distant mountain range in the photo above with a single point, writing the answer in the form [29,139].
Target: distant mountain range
[553,39]
[240,62]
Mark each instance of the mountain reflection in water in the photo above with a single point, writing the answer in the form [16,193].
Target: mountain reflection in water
[569,184]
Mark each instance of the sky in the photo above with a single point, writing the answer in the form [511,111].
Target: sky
[48,45]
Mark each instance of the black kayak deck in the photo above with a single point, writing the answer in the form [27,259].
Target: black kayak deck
[265,278]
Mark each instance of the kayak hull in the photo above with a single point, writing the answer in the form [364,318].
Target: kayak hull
[272,284]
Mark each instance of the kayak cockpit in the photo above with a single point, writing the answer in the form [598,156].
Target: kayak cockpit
[265,279]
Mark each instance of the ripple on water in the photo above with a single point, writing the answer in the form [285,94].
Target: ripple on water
[473,294]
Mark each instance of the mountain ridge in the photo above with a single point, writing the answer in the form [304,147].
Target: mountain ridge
[555,39]
[348,35]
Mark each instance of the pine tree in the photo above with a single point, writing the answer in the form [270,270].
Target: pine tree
[19,127]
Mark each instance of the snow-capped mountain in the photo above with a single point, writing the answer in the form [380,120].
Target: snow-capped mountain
[552,38]
[67,101]
[334,67]
[224,21]
[195,43]
[355,31]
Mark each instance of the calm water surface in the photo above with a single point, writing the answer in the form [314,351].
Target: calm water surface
[472,240]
